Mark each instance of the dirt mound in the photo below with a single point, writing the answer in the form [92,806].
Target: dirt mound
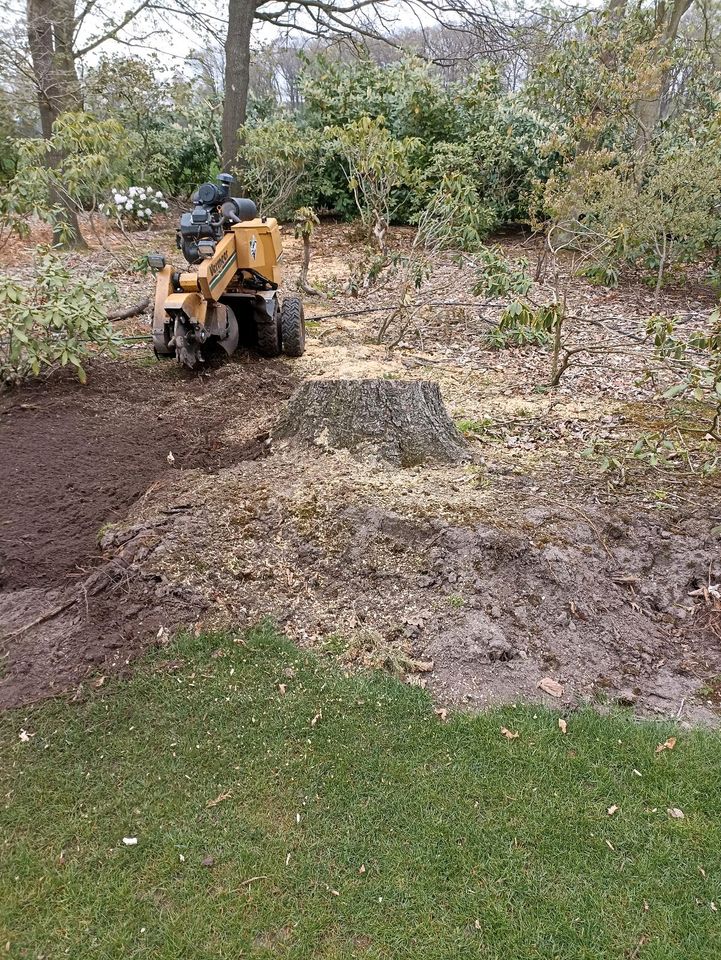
[75,459]
[498,596]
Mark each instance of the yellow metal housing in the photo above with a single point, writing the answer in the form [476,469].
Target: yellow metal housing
[248,250]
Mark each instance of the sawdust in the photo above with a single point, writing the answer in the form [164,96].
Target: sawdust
[520,566]
[496,591]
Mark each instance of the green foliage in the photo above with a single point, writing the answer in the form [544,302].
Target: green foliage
[86,154]
[58,319]
[472,130]
[499,277]
[504,134]
[8,134]
[694,364]
[633,124]
[448,187]
[172,122]
[655,213]
[519,326]
[408,95]
[375,164]
[601,274]
[76,166]
[275,155]
[306,221]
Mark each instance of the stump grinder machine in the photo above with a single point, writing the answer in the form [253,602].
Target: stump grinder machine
[232,295]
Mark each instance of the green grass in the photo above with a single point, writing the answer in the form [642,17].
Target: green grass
[473,845]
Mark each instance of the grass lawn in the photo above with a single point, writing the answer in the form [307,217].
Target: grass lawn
[344,819]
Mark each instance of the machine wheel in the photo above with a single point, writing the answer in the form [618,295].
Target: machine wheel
[292,321]
[269,332]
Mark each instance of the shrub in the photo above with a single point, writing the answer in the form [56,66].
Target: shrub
[87,153]
[57,320]
[655,214]
[274,156]
[374,165]
[409,95]
[694,363]
[135,206]
[172,123]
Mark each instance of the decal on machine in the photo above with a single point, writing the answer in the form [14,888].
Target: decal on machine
[220,267]
[253,248]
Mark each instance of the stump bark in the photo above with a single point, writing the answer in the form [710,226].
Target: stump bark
[403,422]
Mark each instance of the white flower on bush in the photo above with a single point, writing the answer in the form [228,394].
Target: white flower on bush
[135,205]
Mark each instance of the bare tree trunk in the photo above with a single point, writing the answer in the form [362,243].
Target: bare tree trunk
[50,25]
[304,267]
[648,111]
[237,75]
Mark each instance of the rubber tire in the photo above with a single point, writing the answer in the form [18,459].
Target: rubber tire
[292,322]
[268,329]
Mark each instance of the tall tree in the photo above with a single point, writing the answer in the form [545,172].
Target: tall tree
[241,16]
[354,19]
[52,30]
[50,25]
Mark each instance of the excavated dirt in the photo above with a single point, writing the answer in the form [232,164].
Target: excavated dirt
[424,567]
[477,580]
[73,460]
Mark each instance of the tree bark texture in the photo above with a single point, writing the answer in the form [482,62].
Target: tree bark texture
[237,76]
[403,422]
[51,26]
[649,110]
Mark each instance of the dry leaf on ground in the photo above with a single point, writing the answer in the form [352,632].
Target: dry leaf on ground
[416,680]
[612,809]
[666,745]
[219,799]
[562,725]
[509,734]
[552,687]
[441,713]
[675,813]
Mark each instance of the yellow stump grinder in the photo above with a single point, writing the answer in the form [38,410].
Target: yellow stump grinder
[232,296]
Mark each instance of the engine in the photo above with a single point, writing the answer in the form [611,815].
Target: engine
[215,211]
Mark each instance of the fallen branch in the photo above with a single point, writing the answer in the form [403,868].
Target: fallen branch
[133,311]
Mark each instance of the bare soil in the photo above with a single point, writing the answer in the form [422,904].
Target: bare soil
[478,580]
[74,460]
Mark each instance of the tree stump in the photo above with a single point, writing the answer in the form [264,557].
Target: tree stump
[401,421]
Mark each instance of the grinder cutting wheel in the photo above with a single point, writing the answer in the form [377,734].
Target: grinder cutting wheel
[233,293]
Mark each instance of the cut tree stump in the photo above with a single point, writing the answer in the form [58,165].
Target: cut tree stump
[401,421]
